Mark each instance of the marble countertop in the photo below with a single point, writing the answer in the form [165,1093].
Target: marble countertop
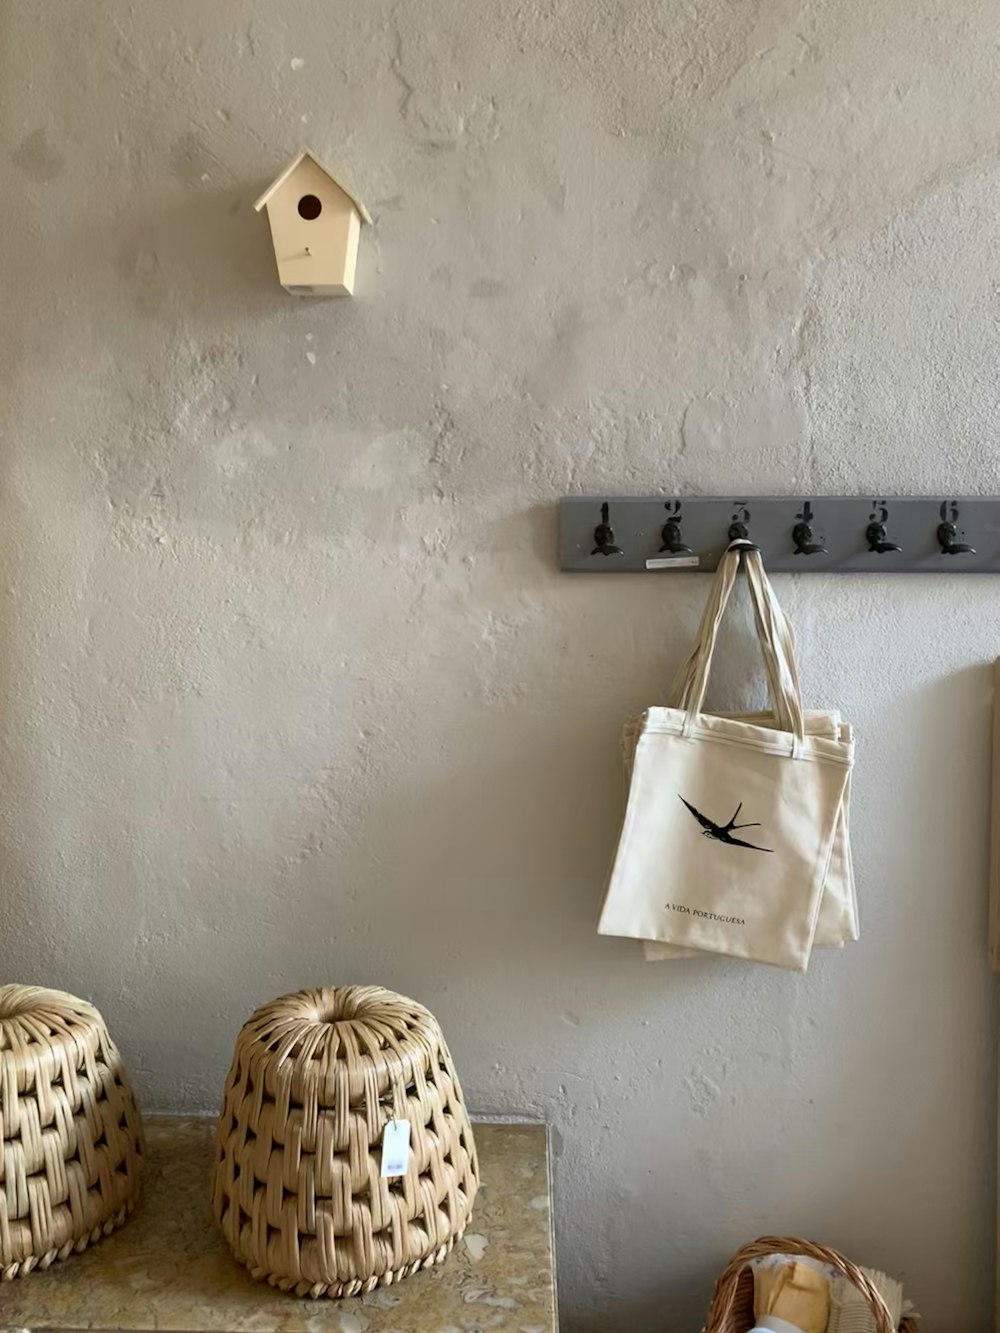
[169,1270]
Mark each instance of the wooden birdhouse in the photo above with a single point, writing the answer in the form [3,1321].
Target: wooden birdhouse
[315,227]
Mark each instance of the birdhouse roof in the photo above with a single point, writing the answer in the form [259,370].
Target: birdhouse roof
[279,181]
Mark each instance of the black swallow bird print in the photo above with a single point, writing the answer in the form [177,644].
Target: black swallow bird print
[724,832]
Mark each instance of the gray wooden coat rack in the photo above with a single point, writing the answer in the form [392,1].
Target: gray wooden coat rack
[827,534]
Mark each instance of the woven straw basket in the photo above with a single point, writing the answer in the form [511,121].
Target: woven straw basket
[70,1134]
[732,1303]
[297,1186]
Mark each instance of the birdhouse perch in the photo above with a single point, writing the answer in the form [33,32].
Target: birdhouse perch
[315,226]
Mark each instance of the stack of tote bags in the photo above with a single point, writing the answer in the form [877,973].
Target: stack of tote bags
[735,838]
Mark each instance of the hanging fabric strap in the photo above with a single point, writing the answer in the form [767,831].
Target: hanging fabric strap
[774,635]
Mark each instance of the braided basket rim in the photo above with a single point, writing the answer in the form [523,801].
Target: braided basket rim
[14,1272]
[338,1291]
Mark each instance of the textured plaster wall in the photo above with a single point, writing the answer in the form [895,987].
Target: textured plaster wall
[292,690]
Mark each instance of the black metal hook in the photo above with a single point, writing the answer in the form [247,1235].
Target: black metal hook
[802,534]
[740,532]
[947,535]
[604,535]
[739,528]
[875,533]
[670,533]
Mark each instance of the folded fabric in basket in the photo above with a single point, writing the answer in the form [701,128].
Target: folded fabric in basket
[791,1295]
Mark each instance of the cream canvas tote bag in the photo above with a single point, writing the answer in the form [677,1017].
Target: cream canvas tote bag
[838,922]
[729,827]
[838,914]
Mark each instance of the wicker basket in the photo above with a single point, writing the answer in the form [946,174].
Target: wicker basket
[70,1134]
[297,1186]
[732,1303]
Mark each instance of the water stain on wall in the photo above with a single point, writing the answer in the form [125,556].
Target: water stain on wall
[37,157]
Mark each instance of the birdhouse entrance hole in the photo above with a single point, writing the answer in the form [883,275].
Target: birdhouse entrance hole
[310,207]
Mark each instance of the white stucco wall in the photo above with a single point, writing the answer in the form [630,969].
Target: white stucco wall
[292,689]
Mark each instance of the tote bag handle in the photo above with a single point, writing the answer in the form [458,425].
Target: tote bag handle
[777,645]
[773,632]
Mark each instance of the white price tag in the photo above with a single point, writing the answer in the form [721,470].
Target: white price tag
[673,562]
[395,1149]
